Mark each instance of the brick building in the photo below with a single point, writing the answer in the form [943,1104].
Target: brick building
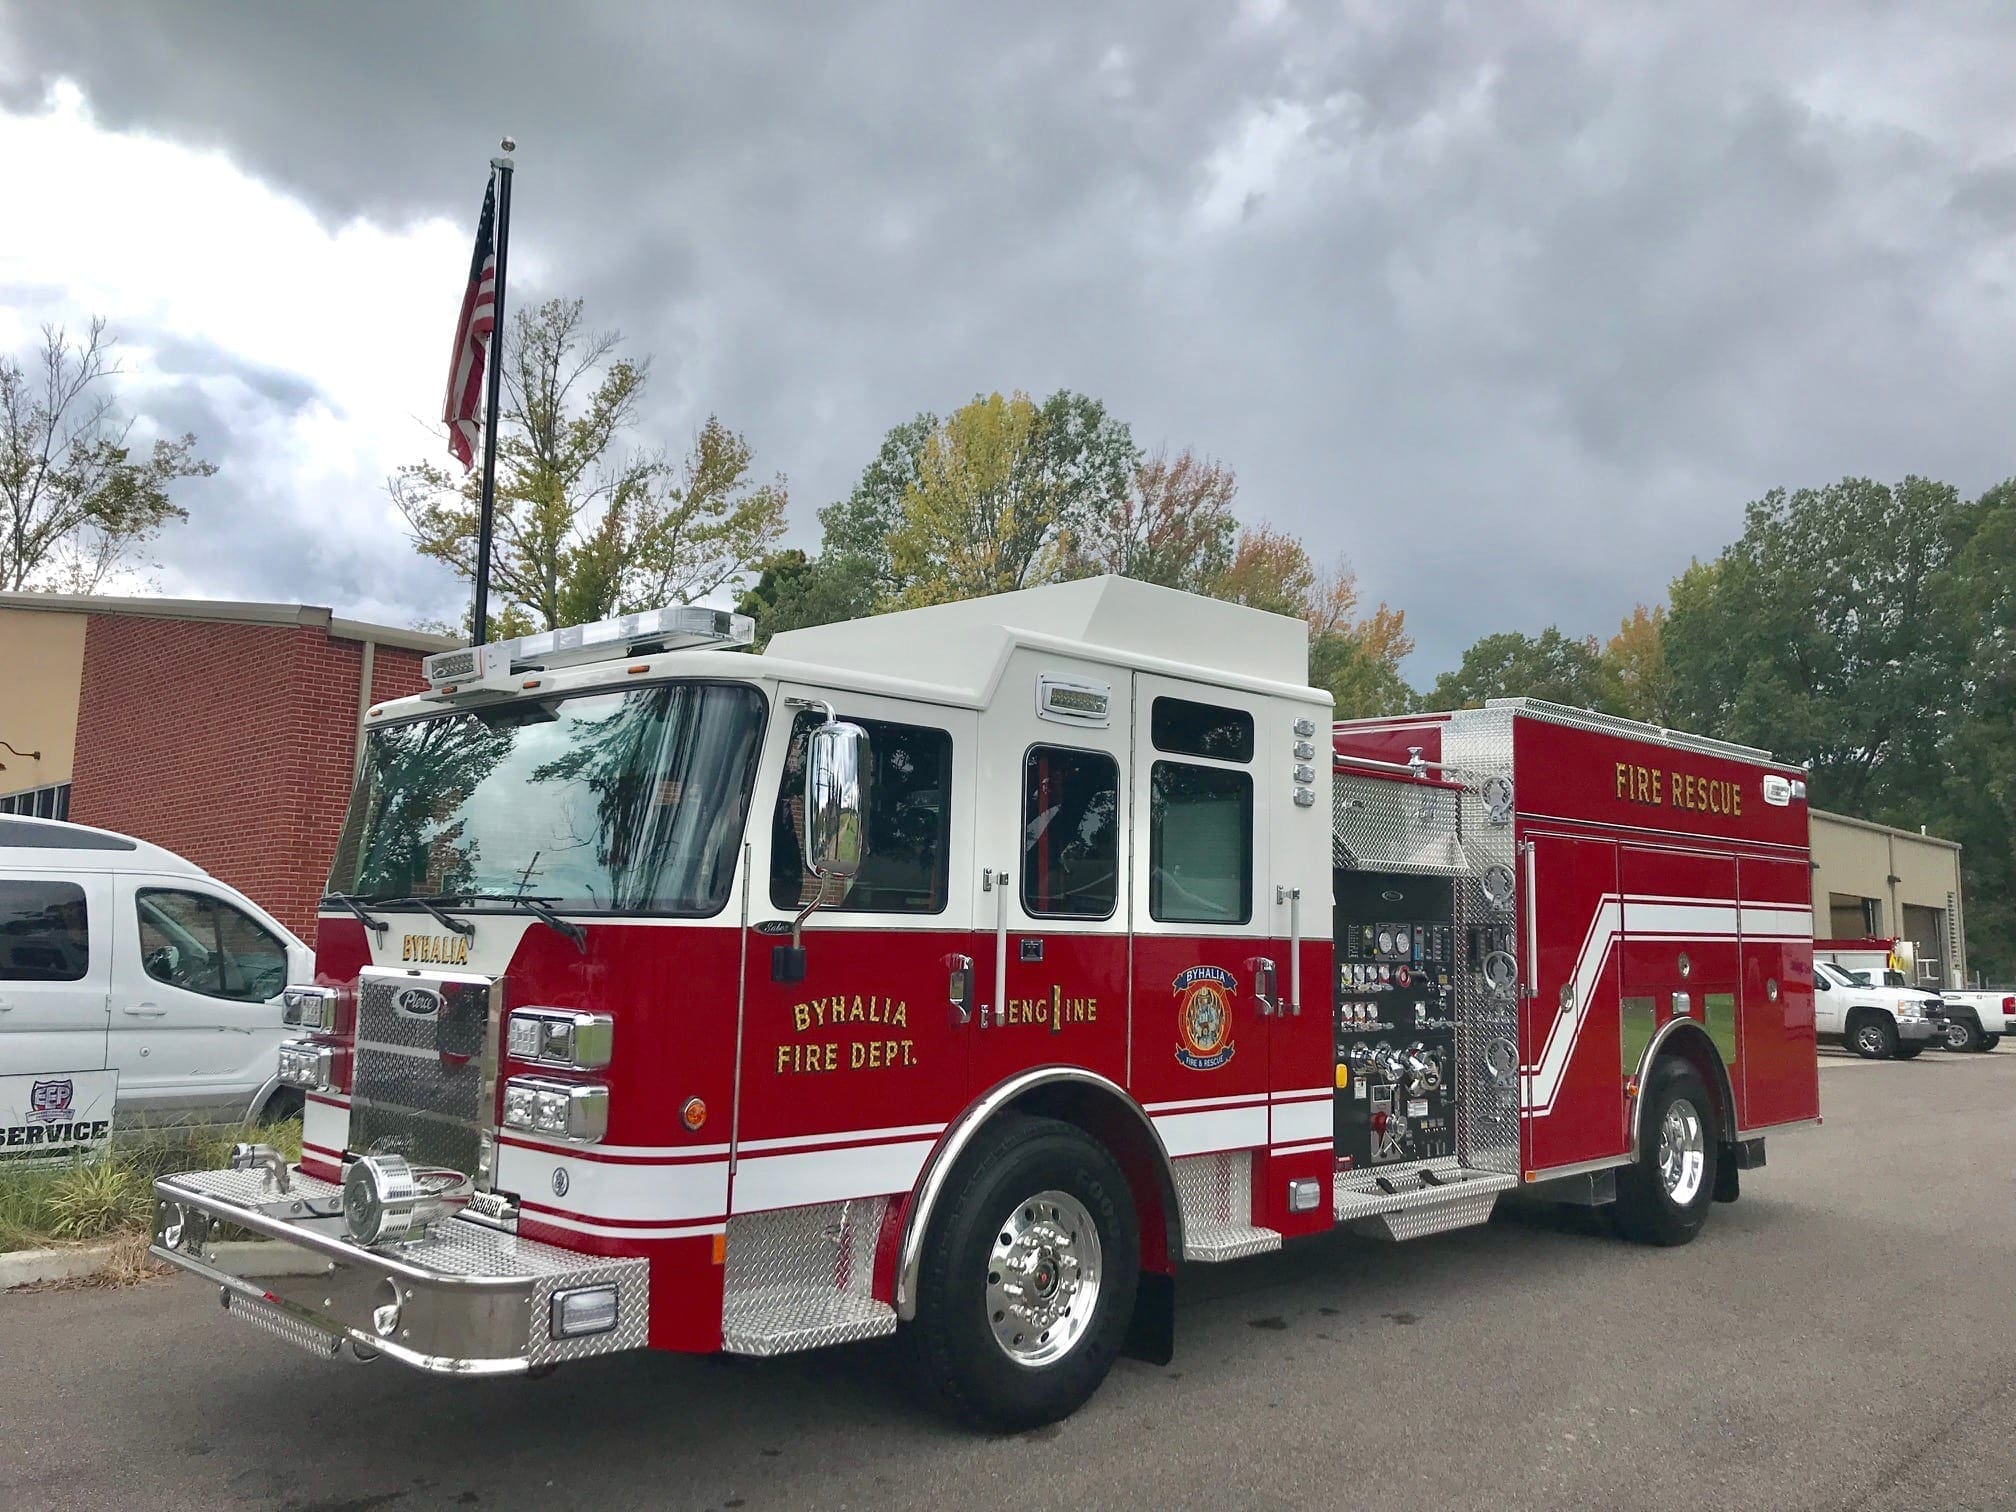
[227,732]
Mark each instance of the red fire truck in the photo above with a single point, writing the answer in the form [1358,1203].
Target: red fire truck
[963,972]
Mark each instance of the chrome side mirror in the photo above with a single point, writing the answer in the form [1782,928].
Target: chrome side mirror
[836,836]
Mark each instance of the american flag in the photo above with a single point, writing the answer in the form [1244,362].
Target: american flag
[463,409]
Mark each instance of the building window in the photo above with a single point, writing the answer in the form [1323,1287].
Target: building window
[1853,918]
[52,802]
[1070,833]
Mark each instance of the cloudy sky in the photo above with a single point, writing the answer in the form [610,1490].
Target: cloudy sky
[1516,305]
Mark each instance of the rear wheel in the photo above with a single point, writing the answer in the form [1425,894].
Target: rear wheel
[1028,1277]
[1872,1036]
[1963,1034]
[1663,1197]
[1990,1041]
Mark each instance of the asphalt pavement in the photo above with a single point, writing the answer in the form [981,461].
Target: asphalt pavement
[1843,1337]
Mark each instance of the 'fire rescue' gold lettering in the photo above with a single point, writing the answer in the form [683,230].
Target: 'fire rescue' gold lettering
[1680,790]
[799,1058]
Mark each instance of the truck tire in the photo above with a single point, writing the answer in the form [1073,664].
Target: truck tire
[1027,1278]
[1663,1197]
[1907,1052]
[1989,1042]
[1872,1036]
[1963,1034]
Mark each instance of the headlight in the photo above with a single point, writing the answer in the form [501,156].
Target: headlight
[311,1008]
[561,1037]
[574,1111]
[1910,1010]
[307,1065]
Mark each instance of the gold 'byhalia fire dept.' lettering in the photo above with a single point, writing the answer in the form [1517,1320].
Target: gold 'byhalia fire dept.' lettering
[435,950]
[799,1059]
[1052,1012]
[1680,790]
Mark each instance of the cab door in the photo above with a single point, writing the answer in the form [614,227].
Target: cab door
[1203,1005]
[55,972]
[848,1075]
[1054,853]
[196,985]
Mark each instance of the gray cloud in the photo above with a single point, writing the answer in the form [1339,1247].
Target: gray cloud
[1519,309]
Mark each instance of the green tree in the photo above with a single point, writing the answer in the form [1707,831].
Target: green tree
[1636,681]
[75,501]
[584,529]
[1815,635]
[1550,666]
[1003,486]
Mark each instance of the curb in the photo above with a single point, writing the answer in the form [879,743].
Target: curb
[254,1259]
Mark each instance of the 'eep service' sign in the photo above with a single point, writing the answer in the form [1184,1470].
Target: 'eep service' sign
[58,1116]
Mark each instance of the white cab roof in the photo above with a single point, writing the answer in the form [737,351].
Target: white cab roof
[961,645]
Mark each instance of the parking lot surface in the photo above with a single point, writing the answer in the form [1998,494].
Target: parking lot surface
[1845,1336]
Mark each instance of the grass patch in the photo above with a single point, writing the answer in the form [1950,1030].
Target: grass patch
[114,1195]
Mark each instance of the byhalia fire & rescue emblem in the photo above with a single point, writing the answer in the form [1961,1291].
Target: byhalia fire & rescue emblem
[1204,1017]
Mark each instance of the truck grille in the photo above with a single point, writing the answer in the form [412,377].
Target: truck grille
[425,1069]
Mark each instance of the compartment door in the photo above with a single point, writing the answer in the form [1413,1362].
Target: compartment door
[1569,1024]
[1781,1074]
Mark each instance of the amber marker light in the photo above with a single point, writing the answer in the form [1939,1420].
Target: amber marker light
[693,1113]
[720,1249]
[640,667]
[530,682]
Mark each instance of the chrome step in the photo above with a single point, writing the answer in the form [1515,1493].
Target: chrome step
[283,1325]
[773,1320]
[1429,1198]
[1216,1195]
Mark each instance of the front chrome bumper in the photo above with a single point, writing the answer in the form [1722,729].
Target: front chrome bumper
[1916,1030]
[465,1300]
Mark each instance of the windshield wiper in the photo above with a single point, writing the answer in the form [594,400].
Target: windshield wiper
[350,901]
[460,926]
[538,909]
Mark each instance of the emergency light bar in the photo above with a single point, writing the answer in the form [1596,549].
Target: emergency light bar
[678,628]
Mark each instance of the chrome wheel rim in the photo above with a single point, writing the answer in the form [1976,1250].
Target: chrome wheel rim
[1869,1038]
[1043,1277]
[1683,1152]
[1956,1036]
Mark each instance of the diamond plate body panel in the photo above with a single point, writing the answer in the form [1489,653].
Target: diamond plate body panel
[803,1278]
[421,1084]
[1215,1193]
[1390,826]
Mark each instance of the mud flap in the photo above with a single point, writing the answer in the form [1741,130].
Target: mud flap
[1151,1332]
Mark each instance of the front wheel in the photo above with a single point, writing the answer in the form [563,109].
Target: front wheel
[1908,1052]
[1963,1034]
[1873,1037]
[1028,1277]
[1663,1196]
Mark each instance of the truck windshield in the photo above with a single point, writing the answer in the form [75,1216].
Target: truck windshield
[626,801]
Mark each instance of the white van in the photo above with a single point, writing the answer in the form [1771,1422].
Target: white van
[118,954]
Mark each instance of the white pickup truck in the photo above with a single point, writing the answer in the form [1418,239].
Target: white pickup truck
[1976,1019]
[1876,1022]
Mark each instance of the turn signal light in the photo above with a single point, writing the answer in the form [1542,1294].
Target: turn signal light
[306,1065]
[310,1008]
[561,1037]
[577,1112]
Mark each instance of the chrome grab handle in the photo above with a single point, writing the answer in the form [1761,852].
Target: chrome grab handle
[1292,896]
[1264,986]
[960,986]
[1527,907]
[1000,948]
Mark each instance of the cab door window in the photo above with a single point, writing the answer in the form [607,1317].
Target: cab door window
[203,944]
[44,933]
[908,803]
[1070,833]
[1200,844]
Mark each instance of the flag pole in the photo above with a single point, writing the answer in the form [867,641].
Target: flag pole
[480,620]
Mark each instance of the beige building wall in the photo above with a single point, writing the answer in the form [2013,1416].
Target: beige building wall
[1870,879]
[41,674]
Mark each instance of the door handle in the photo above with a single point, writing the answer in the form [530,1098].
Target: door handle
[1264,990]
[960,987]
[142,1010]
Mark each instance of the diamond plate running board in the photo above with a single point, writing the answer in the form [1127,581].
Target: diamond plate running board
[1417,1208]
[774,1320]
[1216,1195]
[1211,1243]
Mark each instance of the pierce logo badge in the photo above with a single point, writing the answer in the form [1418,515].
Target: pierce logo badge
[416,1003]
[1204,1017]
